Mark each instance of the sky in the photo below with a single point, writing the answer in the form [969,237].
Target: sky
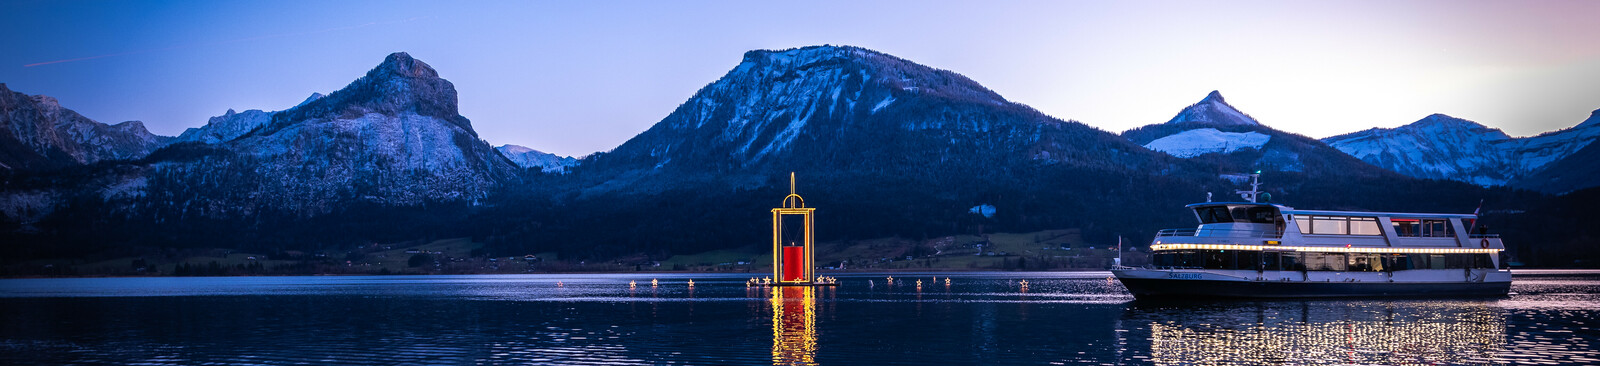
[574,77]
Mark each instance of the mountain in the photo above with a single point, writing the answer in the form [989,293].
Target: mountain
[1214,132]
[1435,147]
[1444,147]
[392,137]
[840,108]
[886,146]
[1213,110]
[529,158]
[882,147]
[37,133]
[1577,171]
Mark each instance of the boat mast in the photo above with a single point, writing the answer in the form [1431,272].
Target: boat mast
[1255,188]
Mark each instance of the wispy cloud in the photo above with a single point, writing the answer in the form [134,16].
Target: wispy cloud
[247,39]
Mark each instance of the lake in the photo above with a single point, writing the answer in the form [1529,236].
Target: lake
[978,318]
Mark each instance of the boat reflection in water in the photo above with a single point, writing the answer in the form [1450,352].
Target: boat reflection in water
[1326,332]
[794,325]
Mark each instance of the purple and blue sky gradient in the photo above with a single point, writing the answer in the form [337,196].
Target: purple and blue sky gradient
[577,77]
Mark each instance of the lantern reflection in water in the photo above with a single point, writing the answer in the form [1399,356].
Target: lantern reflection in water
[794,320]
[1357,336]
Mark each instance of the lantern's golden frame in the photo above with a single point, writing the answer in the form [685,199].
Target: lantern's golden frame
[793,204]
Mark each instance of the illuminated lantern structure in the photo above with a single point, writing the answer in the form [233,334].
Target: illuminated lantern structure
[792,243]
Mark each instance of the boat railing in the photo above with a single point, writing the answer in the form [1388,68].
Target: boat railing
[1236,233]
[1484,236]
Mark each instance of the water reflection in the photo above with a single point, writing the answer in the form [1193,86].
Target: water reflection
[1328,333]
[794,325]
[980,318]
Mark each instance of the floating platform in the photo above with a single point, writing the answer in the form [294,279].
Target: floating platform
[803,284]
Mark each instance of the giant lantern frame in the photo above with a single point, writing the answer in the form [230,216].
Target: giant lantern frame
[793,264]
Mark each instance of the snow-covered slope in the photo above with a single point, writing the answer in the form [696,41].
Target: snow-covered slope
[1213,110]
[36,132]
[1436,147]
[1192,143]
[1535,153]
[232,124]
[530,158]
[226,127]
[1444,147]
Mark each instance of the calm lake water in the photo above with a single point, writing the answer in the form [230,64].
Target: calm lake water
[979,318]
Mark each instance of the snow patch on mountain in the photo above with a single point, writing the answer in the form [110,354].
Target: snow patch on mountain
[529,158]
[1196,142]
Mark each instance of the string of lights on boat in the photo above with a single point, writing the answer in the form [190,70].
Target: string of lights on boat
[1346,249]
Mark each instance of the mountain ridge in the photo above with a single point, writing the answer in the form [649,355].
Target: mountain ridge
[36,132]
[1442,147]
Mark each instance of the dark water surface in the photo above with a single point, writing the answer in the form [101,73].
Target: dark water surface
[980,318]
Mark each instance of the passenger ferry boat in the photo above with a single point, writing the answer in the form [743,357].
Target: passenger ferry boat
[1260,250]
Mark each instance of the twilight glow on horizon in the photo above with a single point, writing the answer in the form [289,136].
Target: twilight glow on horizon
[573,78]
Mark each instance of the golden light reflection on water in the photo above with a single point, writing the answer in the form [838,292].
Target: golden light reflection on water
[794,325]
[1451,336]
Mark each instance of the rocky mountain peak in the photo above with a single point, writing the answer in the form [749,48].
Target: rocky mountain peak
[1214,110]
[403,65]
[400,85]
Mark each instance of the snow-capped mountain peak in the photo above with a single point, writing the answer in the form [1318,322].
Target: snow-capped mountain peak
[529,158]
[1215,111]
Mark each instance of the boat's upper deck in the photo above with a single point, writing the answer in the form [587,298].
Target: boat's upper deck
[1258,224]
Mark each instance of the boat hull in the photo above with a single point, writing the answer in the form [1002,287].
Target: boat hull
[1166,288]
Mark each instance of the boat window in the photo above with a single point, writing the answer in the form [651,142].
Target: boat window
[1396,262]
[1325,261]
[1249,260]
[1437,229]
[1427,228]
[1219,259]
[1269,261]
[1436,261]
[1329,225]
[1316,261]
[1365,226]
[1292,262]
[1365,262]
[1255,214]
[1338,225]
[1406,227]
[1213,214]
